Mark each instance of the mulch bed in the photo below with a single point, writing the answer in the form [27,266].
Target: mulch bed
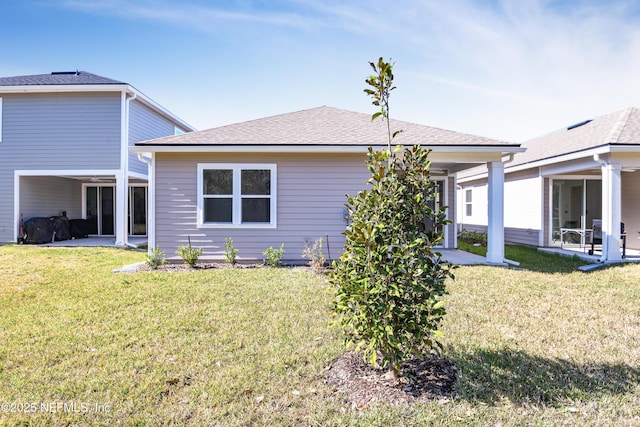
[199,266]
[420,381]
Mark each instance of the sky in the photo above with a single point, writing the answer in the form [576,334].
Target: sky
[504,69]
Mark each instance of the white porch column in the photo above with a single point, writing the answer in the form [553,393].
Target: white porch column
[495,231]
[611,212]
[122,202]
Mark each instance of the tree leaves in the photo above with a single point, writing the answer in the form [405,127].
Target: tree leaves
[389,282]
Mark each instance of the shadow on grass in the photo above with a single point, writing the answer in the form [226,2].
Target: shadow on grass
[490,376]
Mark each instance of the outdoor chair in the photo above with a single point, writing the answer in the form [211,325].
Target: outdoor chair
[596,237]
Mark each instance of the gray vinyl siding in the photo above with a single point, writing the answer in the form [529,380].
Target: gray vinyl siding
[522,236]
[61,131]
[58,131]
[144,124]
[311,199]
[6,207]
[44,196]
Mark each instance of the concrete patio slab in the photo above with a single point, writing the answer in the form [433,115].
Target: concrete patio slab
[459,257]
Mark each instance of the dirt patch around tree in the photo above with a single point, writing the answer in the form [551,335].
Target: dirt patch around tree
[420,381]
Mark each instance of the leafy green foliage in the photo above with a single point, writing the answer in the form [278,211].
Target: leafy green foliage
[155,258]
[273,257]
[380,87]
[389,281]
[230,252]
[473,237]
[189,254]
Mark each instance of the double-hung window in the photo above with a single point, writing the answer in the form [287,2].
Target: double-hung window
[236,195]
[468,202]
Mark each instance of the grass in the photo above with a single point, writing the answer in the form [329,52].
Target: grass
[530,258]
[249,346]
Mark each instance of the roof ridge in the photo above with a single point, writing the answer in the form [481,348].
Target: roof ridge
[618,128]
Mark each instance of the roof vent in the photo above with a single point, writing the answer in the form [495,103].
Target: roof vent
[577,125]
[68,73]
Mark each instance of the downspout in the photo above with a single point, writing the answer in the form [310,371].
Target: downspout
[151,203]
[124,161]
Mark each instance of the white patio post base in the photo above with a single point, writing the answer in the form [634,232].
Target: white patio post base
[495,231]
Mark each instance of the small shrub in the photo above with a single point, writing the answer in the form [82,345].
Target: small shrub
[273,257]
[156,258]
[315,255]
[473,237]
[189,254]
[230,252]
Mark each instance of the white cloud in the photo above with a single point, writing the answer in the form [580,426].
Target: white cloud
[511,69]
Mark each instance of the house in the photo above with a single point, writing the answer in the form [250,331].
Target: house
[563,182]
[64,141]
[283,179]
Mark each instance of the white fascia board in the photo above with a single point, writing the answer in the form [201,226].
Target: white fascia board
[65,88]
[65,172]
[567,157]
[492,151]
[588,154]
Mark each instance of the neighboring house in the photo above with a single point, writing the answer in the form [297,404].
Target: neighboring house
[563,182]
[283,179]
[64,141]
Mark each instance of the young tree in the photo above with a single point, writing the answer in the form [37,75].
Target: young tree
[389,281]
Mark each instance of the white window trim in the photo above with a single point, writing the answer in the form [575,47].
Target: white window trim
[237,199]
[468,204]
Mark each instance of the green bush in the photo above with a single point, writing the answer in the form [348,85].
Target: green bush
[273,257]
[189,254]
[155,258]
[389,282]
[473,237]
[230,252]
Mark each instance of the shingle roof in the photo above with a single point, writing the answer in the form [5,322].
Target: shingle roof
[620,127]
[59,78]
[323,126]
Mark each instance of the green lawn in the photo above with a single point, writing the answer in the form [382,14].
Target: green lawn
[250,346]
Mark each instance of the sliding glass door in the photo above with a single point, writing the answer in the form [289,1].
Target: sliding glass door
[138,210]
[575,204]
[100,210]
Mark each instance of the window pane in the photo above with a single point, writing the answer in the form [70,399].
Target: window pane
[256,182]
[218,181]
[256,210]
[468,195]
[218,210]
